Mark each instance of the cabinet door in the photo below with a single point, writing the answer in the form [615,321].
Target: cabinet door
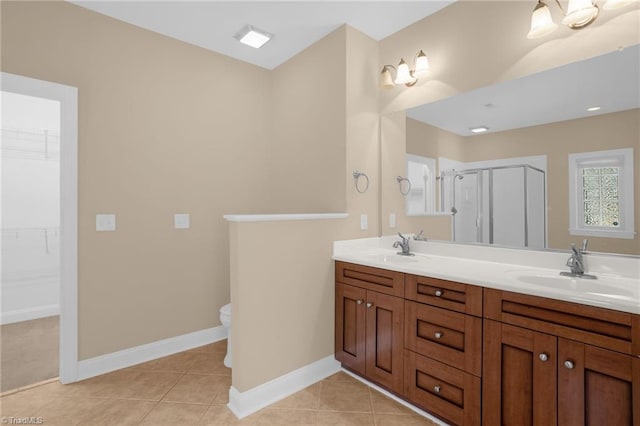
[595,386]
[519,376]
[350,327]
[385,322]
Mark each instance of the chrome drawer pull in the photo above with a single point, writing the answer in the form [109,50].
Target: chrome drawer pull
[438,334]
[369,304]
[439,293]
[359,301]
[436,388]
[543,357]
[568,364]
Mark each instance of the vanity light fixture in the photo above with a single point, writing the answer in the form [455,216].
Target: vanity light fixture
[405,75]
[252,36]
[579,14]
[480,129]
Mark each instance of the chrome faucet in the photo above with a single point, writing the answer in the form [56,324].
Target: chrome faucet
[419,237]
[576,262]
[404,245]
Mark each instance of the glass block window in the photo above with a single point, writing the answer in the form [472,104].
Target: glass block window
[601,193]
[600,196]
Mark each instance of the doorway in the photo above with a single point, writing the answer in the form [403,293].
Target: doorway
[39,231]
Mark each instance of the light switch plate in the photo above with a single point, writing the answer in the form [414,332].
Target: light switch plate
[105,222]
[364,222]
[181,220]
[392,220]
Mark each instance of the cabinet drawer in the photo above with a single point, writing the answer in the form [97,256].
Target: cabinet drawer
[380,280]
[445,294]
[614,330]
[449,337]
[442,390]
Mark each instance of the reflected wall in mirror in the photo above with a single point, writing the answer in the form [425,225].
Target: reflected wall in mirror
[510,184]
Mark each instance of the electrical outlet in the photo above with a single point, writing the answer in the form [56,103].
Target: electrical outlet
[364,222]
[105,222]
[392,220]
[181,221]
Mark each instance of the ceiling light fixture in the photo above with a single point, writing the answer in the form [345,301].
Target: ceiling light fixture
[479,129]
[252,36]
[579,14]
[405,75]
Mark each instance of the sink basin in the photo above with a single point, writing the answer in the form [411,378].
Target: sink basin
[394,258]
[609,285]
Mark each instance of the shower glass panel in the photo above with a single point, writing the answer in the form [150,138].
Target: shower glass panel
[497,205]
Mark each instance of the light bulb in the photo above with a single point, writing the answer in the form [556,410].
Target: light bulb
[541,22]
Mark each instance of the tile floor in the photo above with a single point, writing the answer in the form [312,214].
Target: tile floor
[192,388]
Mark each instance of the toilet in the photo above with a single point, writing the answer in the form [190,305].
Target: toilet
[225,319]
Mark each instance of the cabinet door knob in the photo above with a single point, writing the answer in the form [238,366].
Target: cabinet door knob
[543,357]
[369,304]
[436,388]
[568,364]
[359,301]
[438,293]
[438,334]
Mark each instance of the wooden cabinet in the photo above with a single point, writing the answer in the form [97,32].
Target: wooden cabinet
[443,348]
[483,356]
[549,362]
[369,326]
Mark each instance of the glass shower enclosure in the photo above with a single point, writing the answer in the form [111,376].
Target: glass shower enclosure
[503,205]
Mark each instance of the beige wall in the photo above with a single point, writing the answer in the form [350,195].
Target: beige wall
[306,156]
[556,141]
[282,287]
[164,128]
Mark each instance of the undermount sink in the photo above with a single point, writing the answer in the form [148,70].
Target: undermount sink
[606,285]
[395,258]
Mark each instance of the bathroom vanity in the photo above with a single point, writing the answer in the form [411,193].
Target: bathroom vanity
[487,354]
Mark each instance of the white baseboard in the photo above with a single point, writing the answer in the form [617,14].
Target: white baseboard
[28,314]
[399,400]
[126,358]
[245,403]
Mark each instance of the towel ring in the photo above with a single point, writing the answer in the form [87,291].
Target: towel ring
[401,179]
[357,175]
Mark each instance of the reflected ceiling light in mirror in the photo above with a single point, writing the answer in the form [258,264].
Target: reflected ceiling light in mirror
[252,36]
[579,14]
[404,74]
[593,109]
[479,129]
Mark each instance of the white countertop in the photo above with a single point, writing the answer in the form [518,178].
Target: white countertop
[522,271]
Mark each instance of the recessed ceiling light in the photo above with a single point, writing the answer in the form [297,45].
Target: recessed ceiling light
[480,129]
[596,108]
[252,36]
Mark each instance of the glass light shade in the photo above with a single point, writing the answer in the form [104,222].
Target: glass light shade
[615,4]
[541,22]
[403,75]
[422,64]
[385,78]
[580,13]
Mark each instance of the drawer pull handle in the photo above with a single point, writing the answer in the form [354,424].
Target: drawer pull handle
[543,357]
[369,304]
[359,301]
[436,388]
[568,364]
[438,335]
[439,293]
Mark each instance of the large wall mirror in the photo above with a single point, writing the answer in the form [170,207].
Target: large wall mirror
[492,166]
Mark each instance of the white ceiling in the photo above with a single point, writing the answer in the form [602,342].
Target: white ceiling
[295,24]
[610,81]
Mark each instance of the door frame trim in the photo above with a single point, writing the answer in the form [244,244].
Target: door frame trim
[68,98]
